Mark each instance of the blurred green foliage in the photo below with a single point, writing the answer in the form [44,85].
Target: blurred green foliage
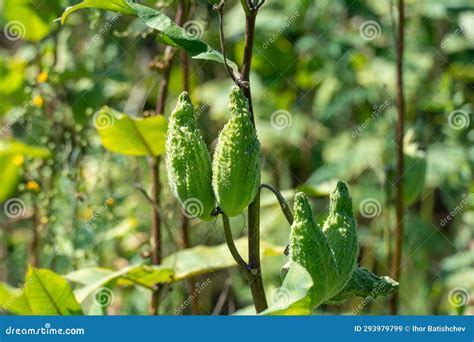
[323,83]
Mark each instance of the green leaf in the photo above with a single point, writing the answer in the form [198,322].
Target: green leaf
[12,155]
[175,267]
[49,294]
[204,259]
[122,134]
[170,33]
[15,147]
[88,276]
[293,297]
[14,300]
[27,19]
[10,167]
[120,6]
[143,275]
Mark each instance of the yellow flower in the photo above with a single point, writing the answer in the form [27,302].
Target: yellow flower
[38,101]
[42,77]
[109,201]
[18,160]
[32,185]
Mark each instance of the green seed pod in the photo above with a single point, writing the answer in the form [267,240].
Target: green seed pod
[188,163]
[310,248]
[364,283]
[236,164]
[340,229]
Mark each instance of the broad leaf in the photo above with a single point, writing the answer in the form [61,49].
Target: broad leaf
[14,300]
[31,20]
[87,276]
[122,134]
[176,267]
[170,33]
[205,259]
[143,275]
[49,294]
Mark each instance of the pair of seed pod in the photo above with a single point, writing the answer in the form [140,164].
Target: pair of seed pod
[329,254]
[232,179]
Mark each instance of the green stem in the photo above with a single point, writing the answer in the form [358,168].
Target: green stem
[285,208]
[231,245]
[255,274]
[397,254]
[255,269]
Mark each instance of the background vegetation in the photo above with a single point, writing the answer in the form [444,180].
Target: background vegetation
[323,83]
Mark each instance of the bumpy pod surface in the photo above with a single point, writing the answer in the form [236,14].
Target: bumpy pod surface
[236,164]
[310,248]
[188,163]
[340,229]
[364,283]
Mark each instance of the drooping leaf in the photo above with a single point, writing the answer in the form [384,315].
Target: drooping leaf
[120,6]
[143,275]
[170,33]
[123,134]
[175,267]
[49,294]
[14,300]
[88,276]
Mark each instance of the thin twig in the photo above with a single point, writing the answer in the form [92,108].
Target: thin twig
[283,202]
[260,4]
[397,254]
[140,188]
[222,297]
[219,8]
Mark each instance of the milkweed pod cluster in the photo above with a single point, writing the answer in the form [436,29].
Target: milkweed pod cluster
[188,163]
[236,164]
[329,254]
